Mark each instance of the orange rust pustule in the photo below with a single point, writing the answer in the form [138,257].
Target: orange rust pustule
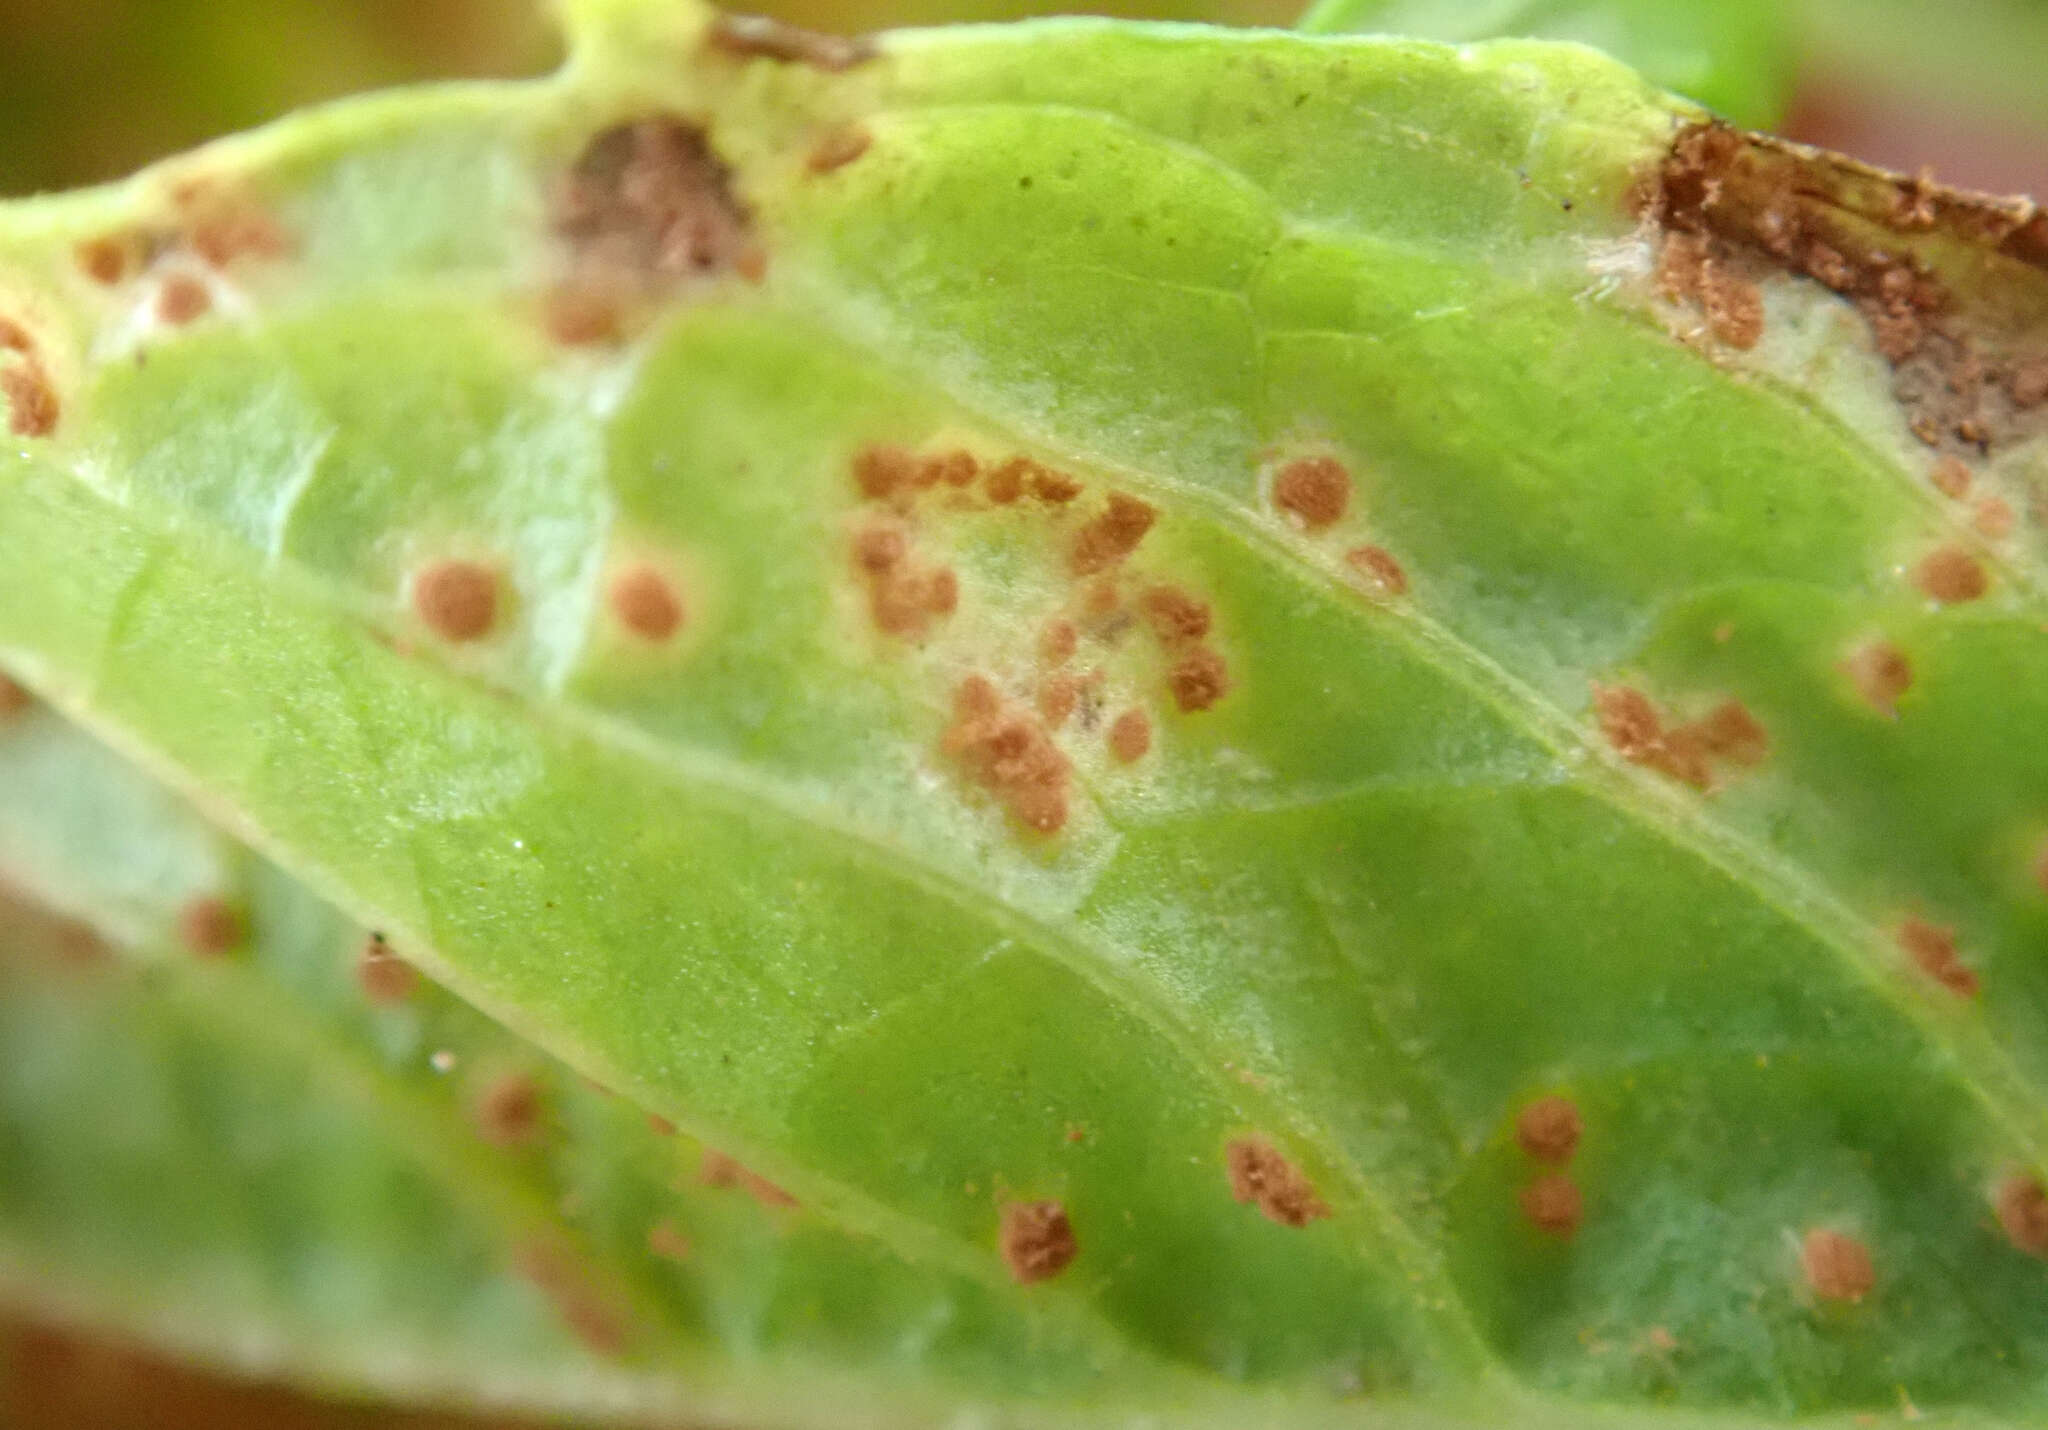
[1313,491]
[1994,518]
[576,1299]
[1057,698]
[1111,535]
[837,148]
[1198,680]
[1730,732]
[1882,240]
[1636,732]
[582,315]
[1037,1240]
[1261,1176]
[722,1173]
[649,203]
[457,599]
[211,927]
[2021,1205]
[1130,736]
[957,468]
[1548,1129]
[1553,1205]
[1378,566]
[882,469]
[1881,674]
[1933,949]
[507,1112]
[183,299]
[1837,1265]
[1058,642]
[647,604]
[756,37]
[1697,269]
[1174,615]
[1951,477]
[111,258]
[385,978]
[32,405]
[1010,753]
[1951,575]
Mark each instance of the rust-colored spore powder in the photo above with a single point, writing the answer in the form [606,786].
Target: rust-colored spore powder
[385,978]
[507,1112]
[1378,566]
[1054,488]
[1629,721]
[838,148]
[109,259]
[1881,674]
[646,603]
[581,315]
[1112,535]
[1733,305]
[1951,575]
[1837,1265]
[880,548]
[211,927]
[1199,680]
[1058,642]
[183,299]
[957,468]
[1006,482]
[1314,491]
[650,203]
[2022,1207]
[1175,616]
[1933,948]
[1037,1240]
[1548,1129]
[1261,1176]
[882,470]
[1730,732]
[1010,753]
[32,406]
[458,600]
[723,1173]
[1994,518]
[1130,736]
[1057,698]
[1553,1205]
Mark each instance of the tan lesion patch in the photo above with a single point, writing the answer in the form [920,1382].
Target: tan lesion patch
[1934,952]
[1952,286]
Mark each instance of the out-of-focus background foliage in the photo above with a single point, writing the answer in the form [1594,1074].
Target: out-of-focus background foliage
[91,89]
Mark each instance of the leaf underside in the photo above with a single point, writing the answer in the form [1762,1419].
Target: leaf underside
[1193,626]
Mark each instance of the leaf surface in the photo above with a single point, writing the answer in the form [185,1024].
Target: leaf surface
[1550,761]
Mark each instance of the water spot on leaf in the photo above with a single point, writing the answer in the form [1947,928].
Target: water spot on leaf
[1261,1176]
[1553,1205]
[646,603]
[1037,1240]
[1130,736]
[1837,1265]
[2021,1205]
[457,599]
[1548,1129]
[1313,492]
[211,927]
[1933,949]
[1951,576]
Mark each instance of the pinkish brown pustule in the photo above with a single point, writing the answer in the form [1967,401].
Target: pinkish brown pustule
[386,979]
[1175,616]
[957,468]
[456,599]
[722,1173]
[1057,697]
[1379,568]
[1037,1240]
[1058,642]
[883,469]
[1881,674]
[1009,752]
[1933,950]
[1730,732]
[110,259]
[1993,517]
[1554,1205]
[1837,1266]
[2021,1205]
[582,315]
[1130,736]
[1198,680]
[1548,1129]
[1313,492]
[646,604]
[1951,477]
[837,148]
[1112,535]
[181,299]
[32,405]
[1006,482]
[1261,1176]
[14,699]
[507,1112]
[1951,576]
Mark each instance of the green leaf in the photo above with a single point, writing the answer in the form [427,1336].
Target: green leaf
[777,845]
[1737,57]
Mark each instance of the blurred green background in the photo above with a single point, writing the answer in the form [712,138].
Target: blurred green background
[91,89]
